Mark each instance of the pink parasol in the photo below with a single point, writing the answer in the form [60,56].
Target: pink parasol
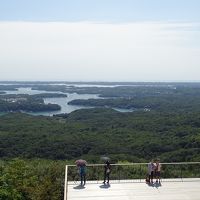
[80,162]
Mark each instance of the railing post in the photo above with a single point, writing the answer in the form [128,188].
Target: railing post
[98,172]
[181,173]
[119,174]
[66,183]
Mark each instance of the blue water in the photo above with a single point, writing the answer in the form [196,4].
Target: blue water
[62,101]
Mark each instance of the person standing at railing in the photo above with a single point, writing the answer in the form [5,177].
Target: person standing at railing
[82,171]
[81,164]
[151,168]
[107,170]
[157,170]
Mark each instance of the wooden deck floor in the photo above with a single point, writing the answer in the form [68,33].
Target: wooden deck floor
[170,189]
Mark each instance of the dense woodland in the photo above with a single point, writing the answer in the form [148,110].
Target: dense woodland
[34,149]
[136,136]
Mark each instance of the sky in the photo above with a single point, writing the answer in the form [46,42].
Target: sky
[100,40]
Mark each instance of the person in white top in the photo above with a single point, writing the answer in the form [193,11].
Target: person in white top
[151,168]
[157,170]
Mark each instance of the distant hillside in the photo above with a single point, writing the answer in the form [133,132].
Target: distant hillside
[136,136]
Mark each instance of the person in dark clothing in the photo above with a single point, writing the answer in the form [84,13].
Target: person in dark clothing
[82,171]
[107,170]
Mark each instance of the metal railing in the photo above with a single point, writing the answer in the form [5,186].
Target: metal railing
[131,172]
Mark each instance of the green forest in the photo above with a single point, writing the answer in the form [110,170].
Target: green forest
[136,136]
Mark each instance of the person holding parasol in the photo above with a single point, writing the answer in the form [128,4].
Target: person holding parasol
[81,164]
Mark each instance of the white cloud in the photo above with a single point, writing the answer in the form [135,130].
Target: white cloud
[97,51]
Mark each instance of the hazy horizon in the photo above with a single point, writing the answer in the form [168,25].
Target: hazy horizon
[85,82]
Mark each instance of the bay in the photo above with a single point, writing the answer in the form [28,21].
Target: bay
[61,101]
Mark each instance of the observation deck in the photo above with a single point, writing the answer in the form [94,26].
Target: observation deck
[180,181]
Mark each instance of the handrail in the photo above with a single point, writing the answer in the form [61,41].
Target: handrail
[129,164]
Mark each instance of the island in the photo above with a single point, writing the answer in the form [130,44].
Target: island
[27,103]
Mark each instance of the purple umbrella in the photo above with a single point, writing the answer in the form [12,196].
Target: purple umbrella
[80,162]
[105,158]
